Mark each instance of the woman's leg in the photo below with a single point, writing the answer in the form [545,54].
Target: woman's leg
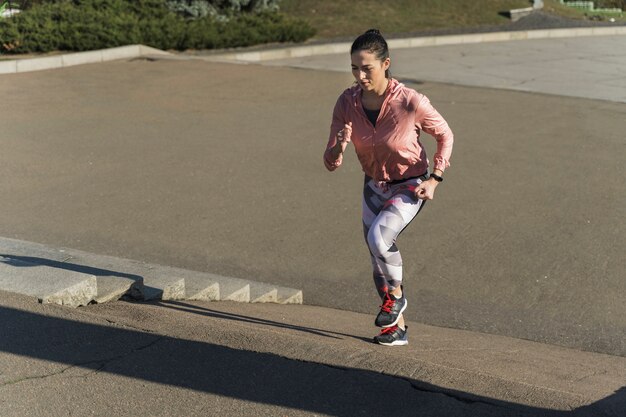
[386,213]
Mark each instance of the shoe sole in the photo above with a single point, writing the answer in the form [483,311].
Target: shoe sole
[406,303]
[395,343]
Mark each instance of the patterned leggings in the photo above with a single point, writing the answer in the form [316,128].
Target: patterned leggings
[387,211]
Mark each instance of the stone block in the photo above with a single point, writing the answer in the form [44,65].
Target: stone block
[122,52]
[8,67]
[163,288]
[202,287]
[39,64]
[80,58]
[263,293]
[289,296]
[112,288]
[48,284]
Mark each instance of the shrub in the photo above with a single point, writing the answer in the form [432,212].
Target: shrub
[610,4]
[80,25]
[244,30]
[64,26]
[193,9]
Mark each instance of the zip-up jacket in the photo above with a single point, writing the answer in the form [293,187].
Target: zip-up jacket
[392,150]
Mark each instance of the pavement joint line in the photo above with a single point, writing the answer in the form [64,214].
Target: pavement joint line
[300,51]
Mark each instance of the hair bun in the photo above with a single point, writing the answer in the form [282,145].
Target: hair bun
[374,31]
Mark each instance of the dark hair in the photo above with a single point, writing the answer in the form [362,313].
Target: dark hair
[372,41]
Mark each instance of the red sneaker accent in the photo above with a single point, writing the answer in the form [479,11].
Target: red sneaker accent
[388,303]
[388,330]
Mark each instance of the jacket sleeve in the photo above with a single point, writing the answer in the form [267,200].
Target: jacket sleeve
[336,125]
[428,119]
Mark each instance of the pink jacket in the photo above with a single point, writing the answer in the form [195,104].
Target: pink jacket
[391,150]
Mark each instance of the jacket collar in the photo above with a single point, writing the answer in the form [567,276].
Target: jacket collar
[392,89]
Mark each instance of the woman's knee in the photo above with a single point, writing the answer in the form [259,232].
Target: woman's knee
[376,243]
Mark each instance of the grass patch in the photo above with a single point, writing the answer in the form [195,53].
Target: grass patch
[346,18]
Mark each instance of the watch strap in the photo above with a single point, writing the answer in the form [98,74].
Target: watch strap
[436,177]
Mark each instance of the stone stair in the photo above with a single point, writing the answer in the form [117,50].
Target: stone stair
[75,278]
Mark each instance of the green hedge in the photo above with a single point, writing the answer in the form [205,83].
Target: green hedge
[81,25]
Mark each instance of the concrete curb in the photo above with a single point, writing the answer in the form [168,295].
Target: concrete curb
[417,42]
[53,273]
[79,58]
[136,51]
[49,285]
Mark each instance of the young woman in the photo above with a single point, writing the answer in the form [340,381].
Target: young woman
[384,119]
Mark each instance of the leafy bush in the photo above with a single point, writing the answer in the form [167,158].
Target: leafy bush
[610,4]
[244,30]
[80,25]
[246,5]
[195,9]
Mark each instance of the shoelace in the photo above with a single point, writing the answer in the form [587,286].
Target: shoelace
[388,330]
[387,304]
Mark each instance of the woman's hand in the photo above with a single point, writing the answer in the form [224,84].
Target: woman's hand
[426,189]
[344,136]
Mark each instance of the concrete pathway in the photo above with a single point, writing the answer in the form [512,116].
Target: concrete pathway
[233,359]
[588,67]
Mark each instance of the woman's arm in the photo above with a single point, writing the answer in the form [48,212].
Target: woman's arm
[340,134]
[430,121]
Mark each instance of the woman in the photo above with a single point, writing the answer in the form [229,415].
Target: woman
[383,119]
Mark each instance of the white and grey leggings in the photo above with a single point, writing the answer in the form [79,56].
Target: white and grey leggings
[388,208]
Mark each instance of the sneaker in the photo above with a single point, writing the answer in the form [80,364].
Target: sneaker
[392,336]
[390,310]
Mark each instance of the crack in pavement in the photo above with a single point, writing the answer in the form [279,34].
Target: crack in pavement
[466,399]
[103,363]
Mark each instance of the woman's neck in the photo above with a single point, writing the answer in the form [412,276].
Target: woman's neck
[373,100]
[378,92]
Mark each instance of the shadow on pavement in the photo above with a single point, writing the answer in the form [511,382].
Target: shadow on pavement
[248,376]
[189,308]
[26,261]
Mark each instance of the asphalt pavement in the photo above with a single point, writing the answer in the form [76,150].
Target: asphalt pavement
[186,358]
[217,167]
[585,67]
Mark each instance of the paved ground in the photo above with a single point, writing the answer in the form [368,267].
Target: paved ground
[234,359]
[589,67]
[217,167]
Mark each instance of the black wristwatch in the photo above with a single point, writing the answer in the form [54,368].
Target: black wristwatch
[436,177]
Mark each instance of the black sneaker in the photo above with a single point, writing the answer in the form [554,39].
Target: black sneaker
[392,336]
[390,310]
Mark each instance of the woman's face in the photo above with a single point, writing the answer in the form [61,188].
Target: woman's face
[369,71]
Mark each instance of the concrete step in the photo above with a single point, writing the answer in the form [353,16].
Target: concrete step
[263,293]
[163,287]
[119,277]
[112,288]
[48,284]
[111,285]
[202,289]
[235,290]
[289,296]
